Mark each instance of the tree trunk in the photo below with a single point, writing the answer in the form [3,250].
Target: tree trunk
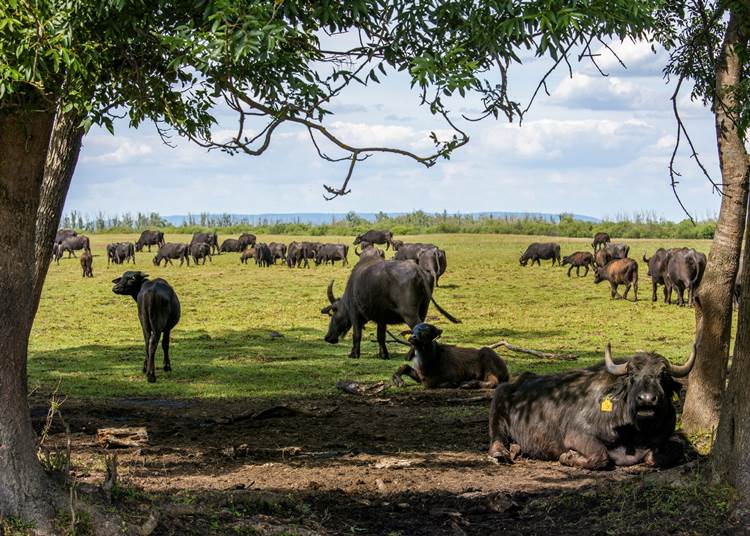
[714,297]
[37,158]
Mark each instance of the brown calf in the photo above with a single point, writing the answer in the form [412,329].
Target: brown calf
[619,272]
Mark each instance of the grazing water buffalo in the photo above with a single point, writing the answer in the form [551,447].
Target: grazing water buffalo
[278,251]
[247,239]
[385,292]
[619,272]
[86,261]
[612,413]
[618,251]
[249,253]
[578,259]
[158,311]
[439,365]
[684,271]
[209,238]
[262,255]
[657,270]
[331,253]
[600,240]
[123,252]
[429,259]
[231,245]
[538,251]
[149,238]
[200,250]
[375,237]
[171,251]
[71,244]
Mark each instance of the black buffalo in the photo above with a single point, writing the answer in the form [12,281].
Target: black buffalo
[171,251]
[429,259]
[369,252]
[408,252]
[158,311]
[387,292]
[375,237]
[578,259]
[209,238]
[149,238]
[684,272]
[657,271]
[600,240]
[62,234]
[331,253]
[262,255]
[247,239]
[613,413]
[200,250]
[278,251]
[86,264]
[619,272]
[618,251]
[231,245]
[121,252]
[440,365]
[71,244]
[541,251]
[299,254]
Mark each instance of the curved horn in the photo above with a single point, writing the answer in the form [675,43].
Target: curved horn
[680,371]
[645,259]
[331,297]
[612,367]
[357,253]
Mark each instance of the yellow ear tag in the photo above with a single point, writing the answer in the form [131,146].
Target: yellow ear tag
[675,397]
[606,405]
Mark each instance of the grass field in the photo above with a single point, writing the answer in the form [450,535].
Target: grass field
[90,340]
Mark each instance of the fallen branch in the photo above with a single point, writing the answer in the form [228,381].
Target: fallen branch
[122,437]
[354,388]
[535,353]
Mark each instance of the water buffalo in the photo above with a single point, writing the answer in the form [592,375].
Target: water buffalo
[578,259]
[200,250]
[618,251]
[247,239]
[429,259]
[385,292]
[538,251]
[62,234]
[602,257]
[408,252]
[149,238]
[375,237]
[263,255]
[331,253]
[278,251]
[209,238]
[249,253]
[617,413]
[158,311]
[684,271]
[439,365]
[110,252]
[397,244]
[619,272]
[171,251]
[369,252]
[600,239]
[231,245]
[86,262]
[121,252]
[657,270]
[300,253]
[71,244]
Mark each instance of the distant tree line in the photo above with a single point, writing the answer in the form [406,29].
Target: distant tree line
[419,222]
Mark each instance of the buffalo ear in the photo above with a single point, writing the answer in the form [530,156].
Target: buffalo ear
[438,332]
[327,310]
[117,280]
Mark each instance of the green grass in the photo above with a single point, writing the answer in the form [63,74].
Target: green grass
[90,339]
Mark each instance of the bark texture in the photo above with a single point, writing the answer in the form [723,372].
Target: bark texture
[714,298]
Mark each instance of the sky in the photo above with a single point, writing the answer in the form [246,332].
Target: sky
[597,146]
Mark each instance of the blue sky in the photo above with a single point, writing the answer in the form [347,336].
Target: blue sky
[596,146]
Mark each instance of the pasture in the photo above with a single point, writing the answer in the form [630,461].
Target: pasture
[404,462]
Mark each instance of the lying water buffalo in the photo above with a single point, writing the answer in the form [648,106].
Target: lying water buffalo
[209,238]
[619,272]
[158,311]
[149,238]
[200,250]
[375,237]
[600,240]
[619,413]
[86,264]
[247,239]
[657,270]
[71,244]
[541,251]
[331,253]
[685,269]
[231,245]
[618,251]
[439,365]
[578,259]
[171,251]
[385,292]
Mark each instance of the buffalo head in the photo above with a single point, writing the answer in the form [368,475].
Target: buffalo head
[340,323]
[129,283]
[649,382]
[424,333]
[523,260]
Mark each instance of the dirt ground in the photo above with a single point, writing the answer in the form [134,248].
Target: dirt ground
[398,463]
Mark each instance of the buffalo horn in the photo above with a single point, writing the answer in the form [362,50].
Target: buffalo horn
[612,367]
[356,252]
[680,371]
[331,297]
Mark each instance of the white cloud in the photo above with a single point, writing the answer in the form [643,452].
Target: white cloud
[603,93]
[126,150]
[641,58]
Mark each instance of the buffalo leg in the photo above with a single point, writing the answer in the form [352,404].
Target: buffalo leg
[653,288]
[382,348]
[356,340]
[409,371]
[585,451]
[614,294]
[146,338]
[500,428]
[165,349]
[153,344]
[635,291]
[627,289]
[570,269]
[587,270]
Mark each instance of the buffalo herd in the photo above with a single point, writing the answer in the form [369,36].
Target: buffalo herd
[617,413]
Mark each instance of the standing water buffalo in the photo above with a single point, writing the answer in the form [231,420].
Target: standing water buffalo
[249,253]
[120,253]
[62,234]
[171,251]
[619,272]
[602,257]
[86,262]
[71,244]
[200,250]
[209,238]
[231,245]
[331,253]
[439,365]
[158,311]
[684,271]
[657,270]
[368,251]
[600,240]
[386,292]
[618,251]
[375,237]
[619,413]
[578,259]
[429,259]
[247,239]
[278,251]
[149,238]
[262,255]
[538,251]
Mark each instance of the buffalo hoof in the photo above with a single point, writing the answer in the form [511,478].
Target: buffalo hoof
[497,453]
[167,368]
[151,378]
